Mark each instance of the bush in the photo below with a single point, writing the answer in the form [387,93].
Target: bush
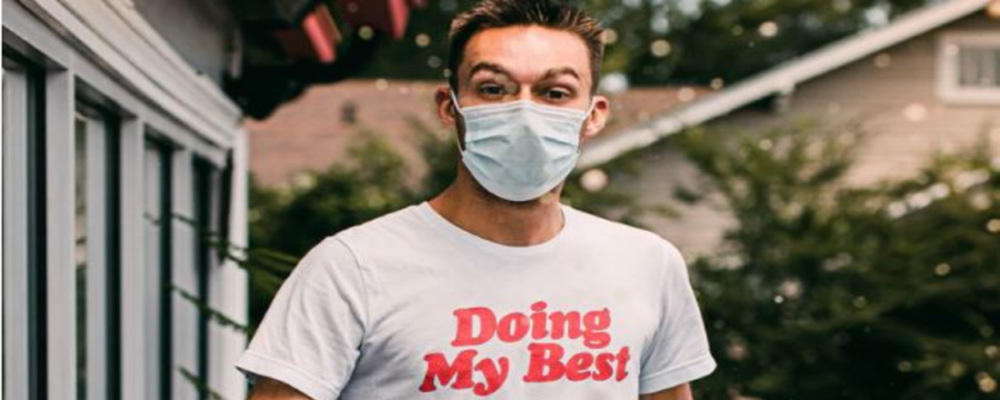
[829,291]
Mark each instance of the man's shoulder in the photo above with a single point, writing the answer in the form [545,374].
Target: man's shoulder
[606,231]
[400,224]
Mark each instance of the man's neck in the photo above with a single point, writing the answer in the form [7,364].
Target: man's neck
[513,224]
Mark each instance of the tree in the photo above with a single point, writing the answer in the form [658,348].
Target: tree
[655,42]
[829,291]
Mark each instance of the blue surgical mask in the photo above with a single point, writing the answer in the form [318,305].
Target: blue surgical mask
[520,150]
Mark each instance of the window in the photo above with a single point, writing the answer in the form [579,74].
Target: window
[158,214]
[979,67]
[96,255]
[24,256]
[97,172]
[80,254]
[349,113]
[969,68]
[204,174]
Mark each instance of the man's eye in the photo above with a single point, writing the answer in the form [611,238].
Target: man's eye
[556,95]
[491,90]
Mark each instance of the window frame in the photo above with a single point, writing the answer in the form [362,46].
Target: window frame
[948,88]
[203,196]
[24,256]
[103,247]
[64,48]
[159,281]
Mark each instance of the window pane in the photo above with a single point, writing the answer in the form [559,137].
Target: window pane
[203,174]
[112,238]
[37,232]
[979,67]
[80,226]
[158,262]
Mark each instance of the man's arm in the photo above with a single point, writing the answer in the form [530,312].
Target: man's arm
[269,389]
[680,392]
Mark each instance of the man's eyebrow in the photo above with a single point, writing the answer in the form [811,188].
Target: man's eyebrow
[488,66]
[552,73]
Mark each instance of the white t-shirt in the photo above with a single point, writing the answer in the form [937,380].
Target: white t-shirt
[410,306]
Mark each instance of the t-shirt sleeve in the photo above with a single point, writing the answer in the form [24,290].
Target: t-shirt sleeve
[679,350]
[311,335]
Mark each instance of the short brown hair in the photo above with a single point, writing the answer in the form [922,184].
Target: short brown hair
[553,14]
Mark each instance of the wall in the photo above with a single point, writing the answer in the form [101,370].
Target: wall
[202,31]
[893,93]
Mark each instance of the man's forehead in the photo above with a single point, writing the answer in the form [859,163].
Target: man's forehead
[527,51]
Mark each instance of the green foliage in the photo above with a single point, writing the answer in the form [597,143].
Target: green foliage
[830,291]
[199,384]
[213,314]
[341,196]
[291,221]
[707,38]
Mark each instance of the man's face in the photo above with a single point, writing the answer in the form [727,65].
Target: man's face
[547,66]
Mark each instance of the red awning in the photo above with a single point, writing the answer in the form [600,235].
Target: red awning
[390,16]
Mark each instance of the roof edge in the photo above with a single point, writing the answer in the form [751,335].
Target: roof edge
[780,79]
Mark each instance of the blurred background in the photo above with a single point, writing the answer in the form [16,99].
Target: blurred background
[829,169]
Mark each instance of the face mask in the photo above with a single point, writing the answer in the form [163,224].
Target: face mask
[520,150]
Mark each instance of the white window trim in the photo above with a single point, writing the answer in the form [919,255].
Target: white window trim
[15,246]
[140,58]
[226,343]
[22,25]
[96,274]
[947,68]
[60,263]
[134,297]
[74,68]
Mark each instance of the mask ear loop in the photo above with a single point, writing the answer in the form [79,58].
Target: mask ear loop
[458,109]
[590,110]
[454,102]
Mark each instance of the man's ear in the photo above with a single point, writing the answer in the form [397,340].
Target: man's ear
[598,118]
[445,107]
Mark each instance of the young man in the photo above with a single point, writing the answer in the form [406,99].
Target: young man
[493,288]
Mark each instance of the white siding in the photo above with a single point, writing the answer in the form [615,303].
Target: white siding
[895,146]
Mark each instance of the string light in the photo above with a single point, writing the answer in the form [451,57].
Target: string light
[768,29]
[686,94]
[422,40]
[860,302]
[366,32]
[915,112]
[660,48]
[434,61]
[717,83]
[594,180]
[956,369]
[883,60]
[609,36]
[993,226]
[986,382]
[992,351]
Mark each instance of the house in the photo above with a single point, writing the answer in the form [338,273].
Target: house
[125,163]
[313,132]
[927,82]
